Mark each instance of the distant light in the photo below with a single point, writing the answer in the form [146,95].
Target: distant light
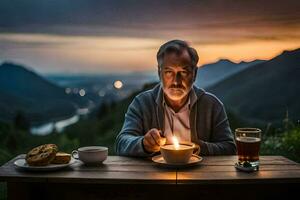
[68,90]
[82,92]
[118,84]
[101,93]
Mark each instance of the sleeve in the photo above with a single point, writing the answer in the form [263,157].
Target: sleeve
[221,140]
[129,141]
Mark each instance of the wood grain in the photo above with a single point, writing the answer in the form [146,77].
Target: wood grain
[128,170]
[114,170]
[137,178]
[221,170]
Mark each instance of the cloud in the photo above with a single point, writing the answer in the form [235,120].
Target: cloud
[143,18]
[107,35]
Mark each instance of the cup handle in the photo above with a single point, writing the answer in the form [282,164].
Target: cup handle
[74,154]
[196,149]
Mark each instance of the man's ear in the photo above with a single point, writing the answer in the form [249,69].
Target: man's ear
[195,73]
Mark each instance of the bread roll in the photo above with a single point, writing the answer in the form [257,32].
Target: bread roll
[41,155]
[61,158]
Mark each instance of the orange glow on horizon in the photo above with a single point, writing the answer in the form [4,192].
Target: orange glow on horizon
[124,54]
[246,51]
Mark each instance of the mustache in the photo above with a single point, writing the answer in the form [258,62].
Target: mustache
[177,86]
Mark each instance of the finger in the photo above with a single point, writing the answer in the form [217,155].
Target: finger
[150,140]
[161,133]
[156,148]
[146,143]
[151,148]
[148,146]
[156,136]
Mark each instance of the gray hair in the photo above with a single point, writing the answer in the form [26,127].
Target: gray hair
[176,46]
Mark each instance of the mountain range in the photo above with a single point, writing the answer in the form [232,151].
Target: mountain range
[260,91]
[268,91]
[213,73]
[24,91]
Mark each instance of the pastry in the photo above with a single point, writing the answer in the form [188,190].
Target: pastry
[61,158]
[41,155]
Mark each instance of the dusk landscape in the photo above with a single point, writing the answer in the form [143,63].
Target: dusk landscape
[69,69]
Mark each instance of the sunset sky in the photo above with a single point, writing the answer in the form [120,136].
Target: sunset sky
[85,36]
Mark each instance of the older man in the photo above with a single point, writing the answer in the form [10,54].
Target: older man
[175,107]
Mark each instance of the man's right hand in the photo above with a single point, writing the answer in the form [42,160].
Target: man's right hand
[152,140]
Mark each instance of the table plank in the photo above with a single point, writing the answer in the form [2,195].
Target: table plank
[118,169]
[230,160]
[220,169]
[141,178]
[8,172]
[114,170]
[231,168]
[260,177]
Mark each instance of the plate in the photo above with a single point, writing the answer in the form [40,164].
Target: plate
[245,169]
[194,160]
[22,164]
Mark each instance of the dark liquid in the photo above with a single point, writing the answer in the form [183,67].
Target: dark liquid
[248,148]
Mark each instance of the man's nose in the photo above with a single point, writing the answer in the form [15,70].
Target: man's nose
[177,79]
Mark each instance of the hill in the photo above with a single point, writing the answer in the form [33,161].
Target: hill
[265,91]
[212,73]
[38,99]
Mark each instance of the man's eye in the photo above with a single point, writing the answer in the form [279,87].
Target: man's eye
[168,72]
[184,73]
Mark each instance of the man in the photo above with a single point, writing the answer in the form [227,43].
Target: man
[175,107]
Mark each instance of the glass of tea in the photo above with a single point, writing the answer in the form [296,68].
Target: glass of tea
[248,145]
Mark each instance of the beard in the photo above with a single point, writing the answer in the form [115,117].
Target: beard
[177,90]
[176,93]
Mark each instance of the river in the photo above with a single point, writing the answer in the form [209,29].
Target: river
[58,126]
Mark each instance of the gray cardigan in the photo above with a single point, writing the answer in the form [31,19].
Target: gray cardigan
[208,121]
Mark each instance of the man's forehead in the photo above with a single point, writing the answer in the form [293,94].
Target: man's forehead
[175,59]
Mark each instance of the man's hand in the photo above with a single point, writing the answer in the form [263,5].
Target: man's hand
[152,140]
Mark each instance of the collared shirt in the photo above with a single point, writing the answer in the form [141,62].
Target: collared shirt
[209,124]
[178,123]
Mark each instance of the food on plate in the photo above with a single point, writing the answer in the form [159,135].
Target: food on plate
[61,158]
[42,155]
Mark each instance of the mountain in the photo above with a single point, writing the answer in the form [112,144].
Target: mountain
[212,73]
[24,91]
[265,91]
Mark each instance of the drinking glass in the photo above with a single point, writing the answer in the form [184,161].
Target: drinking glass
[248,145]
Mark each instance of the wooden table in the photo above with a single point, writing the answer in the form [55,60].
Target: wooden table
[136,178]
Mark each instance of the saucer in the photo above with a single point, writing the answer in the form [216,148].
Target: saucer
[194,160]
[22,164]
[245,169]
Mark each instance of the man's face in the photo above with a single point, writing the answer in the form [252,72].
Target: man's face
[177,76]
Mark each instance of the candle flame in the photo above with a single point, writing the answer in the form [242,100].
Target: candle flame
[175,142]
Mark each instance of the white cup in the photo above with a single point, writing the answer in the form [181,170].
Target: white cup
[91,155]
[181,155]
